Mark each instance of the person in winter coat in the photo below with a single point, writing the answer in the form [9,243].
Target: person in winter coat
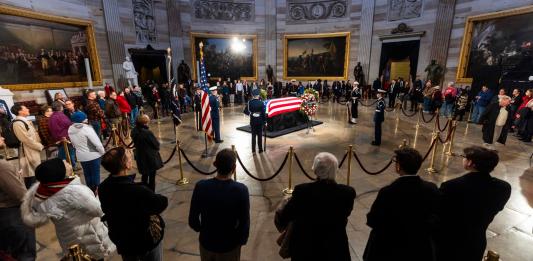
[17,240]
[318,212]
[112,110]
[460,105]
[132,211]
[146,151]
[60,197]
[132,101]
[30,143]
[496,120]
[482,100]
[88,147]
[59,124]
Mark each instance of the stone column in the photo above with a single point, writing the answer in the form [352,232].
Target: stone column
[175,33]
[365,37]
[443,30]
[115,39]
[270,36]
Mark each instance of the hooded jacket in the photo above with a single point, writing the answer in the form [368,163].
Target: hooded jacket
[87,144]
[75,212]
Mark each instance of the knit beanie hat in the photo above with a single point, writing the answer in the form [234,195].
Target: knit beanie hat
[52,170]
[78,117]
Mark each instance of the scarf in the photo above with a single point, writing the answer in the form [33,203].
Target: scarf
[46,190]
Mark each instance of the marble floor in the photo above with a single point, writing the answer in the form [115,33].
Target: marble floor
[510,234]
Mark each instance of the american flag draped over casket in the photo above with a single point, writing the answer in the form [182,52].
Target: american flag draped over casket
[282,105]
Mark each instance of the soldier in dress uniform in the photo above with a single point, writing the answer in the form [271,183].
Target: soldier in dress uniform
[198,107]
[379,117]
[355,96]
[256,110]
[215,116]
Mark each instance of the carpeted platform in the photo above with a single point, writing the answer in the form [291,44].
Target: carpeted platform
[275,134]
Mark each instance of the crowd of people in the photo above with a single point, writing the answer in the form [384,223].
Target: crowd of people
[411,219]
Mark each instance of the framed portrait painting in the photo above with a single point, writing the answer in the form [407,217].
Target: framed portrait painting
[499,43]
[40,51]
[316,56]
[226,56]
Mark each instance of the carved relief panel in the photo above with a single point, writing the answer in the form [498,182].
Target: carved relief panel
[143,17]
[225,11]
[404,9]
[316,10]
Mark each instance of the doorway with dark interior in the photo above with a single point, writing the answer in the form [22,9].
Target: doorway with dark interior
[398,59]
[150,64]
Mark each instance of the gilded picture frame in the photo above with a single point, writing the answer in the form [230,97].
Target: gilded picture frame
[196,35]
[90,44]
[466,46]
[343,76]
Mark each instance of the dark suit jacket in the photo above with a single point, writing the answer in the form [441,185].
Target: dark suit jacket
[403,219]
[319,212]
[469,204]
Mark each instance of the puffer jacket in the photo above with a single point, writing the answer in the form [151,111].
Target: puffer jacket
[87,144]
[75,212]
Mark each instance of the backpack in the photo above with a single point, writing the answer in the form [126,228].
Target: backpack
[11,139]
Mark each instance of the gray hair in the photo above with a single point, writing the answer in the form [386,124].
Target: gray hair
[57,106]
[325,165]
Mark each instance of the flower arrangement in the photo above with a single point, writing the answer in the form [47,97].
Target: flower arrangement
[309,102]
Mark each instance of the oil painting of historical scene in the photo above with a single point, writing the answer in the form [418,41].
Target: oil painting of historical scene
[404,9]
[496,48]
[316,56]
[37,51]
[227,56]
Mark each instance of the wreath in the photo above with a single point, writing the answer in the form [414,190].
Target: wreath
[309,102]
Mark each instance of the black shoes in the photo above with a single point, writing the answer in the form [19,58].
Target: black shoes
[375,143]
[219,141]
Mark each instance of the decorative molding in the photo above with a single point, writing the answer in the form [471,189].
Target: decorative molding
[401,28]
[411,36]
[224,11]
[144,20]
[404,9]
[316,10]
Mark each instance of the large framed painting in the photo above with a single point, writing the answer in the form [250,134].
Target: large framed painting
[497,43]
[226,55]
[40,51]
[316,56]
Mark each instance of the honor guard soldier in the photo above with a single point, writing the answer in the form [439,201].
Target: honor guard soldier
[215,115]
[355,96]
[197,103]
[256,110]
[379,117]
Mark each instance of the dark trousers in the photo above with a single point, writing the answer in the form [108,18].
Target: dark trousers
[392,100]
[148,179]
[216,128]
[257,134]
[91,172]
[377,132]
[17,239]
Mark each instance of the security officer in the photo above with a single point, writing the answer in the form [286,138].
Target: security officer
[355,96]
[256,110]
[215,116]
[379,117]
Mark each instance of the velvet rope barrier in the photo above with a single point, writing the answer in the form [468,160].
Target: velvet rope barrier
[448,136]
[445,126]
[368,105]
[370,172]
[424,118]
[429,150]
[108,141]
[405,113]
[302,168]
[194,167]
[343,159]
[262,179]
[171,155]
[128,146]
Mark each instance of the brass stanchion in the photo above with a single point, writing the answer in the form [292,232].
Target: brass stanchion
[157,112]
[114,133]
[403,145]
[182,181]
[418,118]
[470,114]
[349,171]
[436,119]
[67,152]
[289,189]
[76,253]
[234,173]
[431,169]
[450,152]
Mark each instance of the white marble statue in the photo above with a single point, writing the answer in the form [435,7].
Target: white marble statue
[131,74]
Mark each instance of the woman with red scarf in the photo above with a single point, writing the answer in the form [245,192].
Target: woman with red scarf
[73,208]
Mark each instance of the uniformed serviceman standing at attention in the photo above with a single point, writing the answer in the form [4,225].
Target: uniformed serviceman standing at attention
[215,116]
[354,102]
[256,110]
[379,117]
